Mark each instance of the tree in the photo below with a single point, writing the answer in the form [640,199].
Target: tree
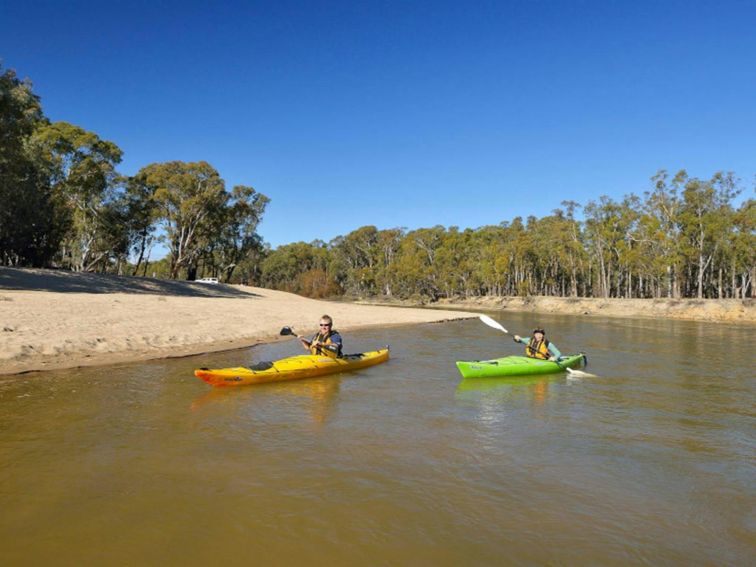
[705,216]
[31,224]
[186,195]
[236,230]
[81,170]
[742,245]
[417,272]
[358,255]
[300,268]
[142,215]
[388,243]
[662,226]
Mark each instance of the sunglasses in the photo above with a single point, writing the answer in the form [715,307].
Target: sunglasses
[325,324]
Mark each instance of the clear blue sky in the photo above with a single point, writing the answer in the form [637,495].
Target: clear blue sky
[403,113]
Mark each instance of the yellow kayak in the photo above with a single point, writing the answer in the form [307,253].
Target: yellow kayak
[292,368]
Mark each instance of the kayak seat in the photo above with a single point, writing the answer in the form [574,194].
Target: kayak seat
[261,366]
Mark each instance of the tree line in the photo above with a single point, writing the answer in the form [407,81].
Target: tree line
[684,238]
[64,204]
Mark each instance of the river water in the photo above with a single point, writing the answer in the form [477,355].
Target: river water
[650,461]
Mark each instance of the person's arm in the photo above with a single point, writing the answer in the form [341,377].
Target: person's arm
[305,343]
[519,339]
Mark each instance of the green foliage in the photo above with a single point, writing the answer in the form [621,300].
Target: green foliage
[684,237]
[81,170]
[233,236]
[63,204]
[300,268]
[203,224]
[31,226]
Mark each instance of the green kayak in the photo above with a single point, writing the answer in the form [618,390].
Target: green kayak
[517,366]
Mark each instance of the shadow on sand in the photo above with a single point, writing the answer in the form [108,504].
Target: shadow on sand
[32,279]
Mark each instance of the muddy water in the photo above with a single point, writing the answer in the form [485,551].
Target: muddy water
[649,462]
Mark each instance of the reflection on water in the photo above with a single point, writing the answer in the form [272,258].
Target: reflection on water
[320,395]
[649,462]
[488,391]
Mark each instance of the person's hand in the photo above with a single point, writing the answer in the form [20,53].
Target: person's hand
[552,358]
[517,338]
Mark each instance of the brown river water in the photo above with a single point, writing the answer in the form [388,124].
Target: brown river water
[651,461]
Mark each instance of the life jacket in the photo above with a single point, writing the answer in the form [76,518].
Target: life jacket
[536,349]
[326,340]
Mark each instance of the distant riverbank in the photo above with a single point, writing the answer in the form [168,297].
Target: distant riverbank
[714,310]
[56,319]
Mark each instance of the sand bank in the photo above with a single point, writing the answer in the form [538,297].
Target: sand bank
[51,319]
[712,310]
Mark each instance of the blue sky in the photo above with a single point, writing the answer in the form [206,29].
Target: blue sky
[406,114]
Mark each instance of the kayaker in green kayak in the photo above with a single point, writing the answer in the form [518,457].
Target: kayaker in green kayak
[539,347]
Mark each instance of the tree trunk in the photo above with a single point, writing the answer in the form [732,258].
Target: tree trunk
[719,284]
[142,248]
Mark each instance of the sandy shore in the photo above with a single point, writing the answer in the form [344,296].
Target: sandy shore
[51,319]
[712,310]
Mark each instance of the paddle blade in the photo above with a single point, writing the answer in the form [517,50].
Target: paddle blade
[576,374]
[287,331]
[491,323]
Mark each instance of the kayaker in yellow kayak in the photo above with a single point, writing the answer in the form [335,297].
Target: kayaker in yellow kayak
[327,341]
[538,347]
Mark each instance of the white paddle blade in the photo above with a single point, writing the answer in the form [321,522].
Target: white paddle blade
[491,323]
[579,374]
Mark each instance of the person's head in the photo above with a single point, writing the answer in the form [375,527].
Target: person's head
[326,323]
[538,334]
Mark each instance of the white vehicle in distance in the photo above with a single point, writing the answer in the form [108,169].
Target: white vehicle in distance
[207,280]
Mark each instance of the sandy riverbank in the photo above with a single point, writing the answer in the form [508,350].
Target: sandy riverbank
[713,310]
[51,319]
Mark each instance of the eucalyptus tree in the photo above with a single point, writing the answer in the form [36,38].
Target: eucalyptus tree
[321,279]
[359,254]
[234,233]
[491,263]
[572,241]
[142,218]
[607,225]
[299,267]
[506,258]
[31,220]
[389,242]
[417,272]
[186,195]
[662,219]
[81,168]
[705,218]
[249,270]
[742,247]
[455,263]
